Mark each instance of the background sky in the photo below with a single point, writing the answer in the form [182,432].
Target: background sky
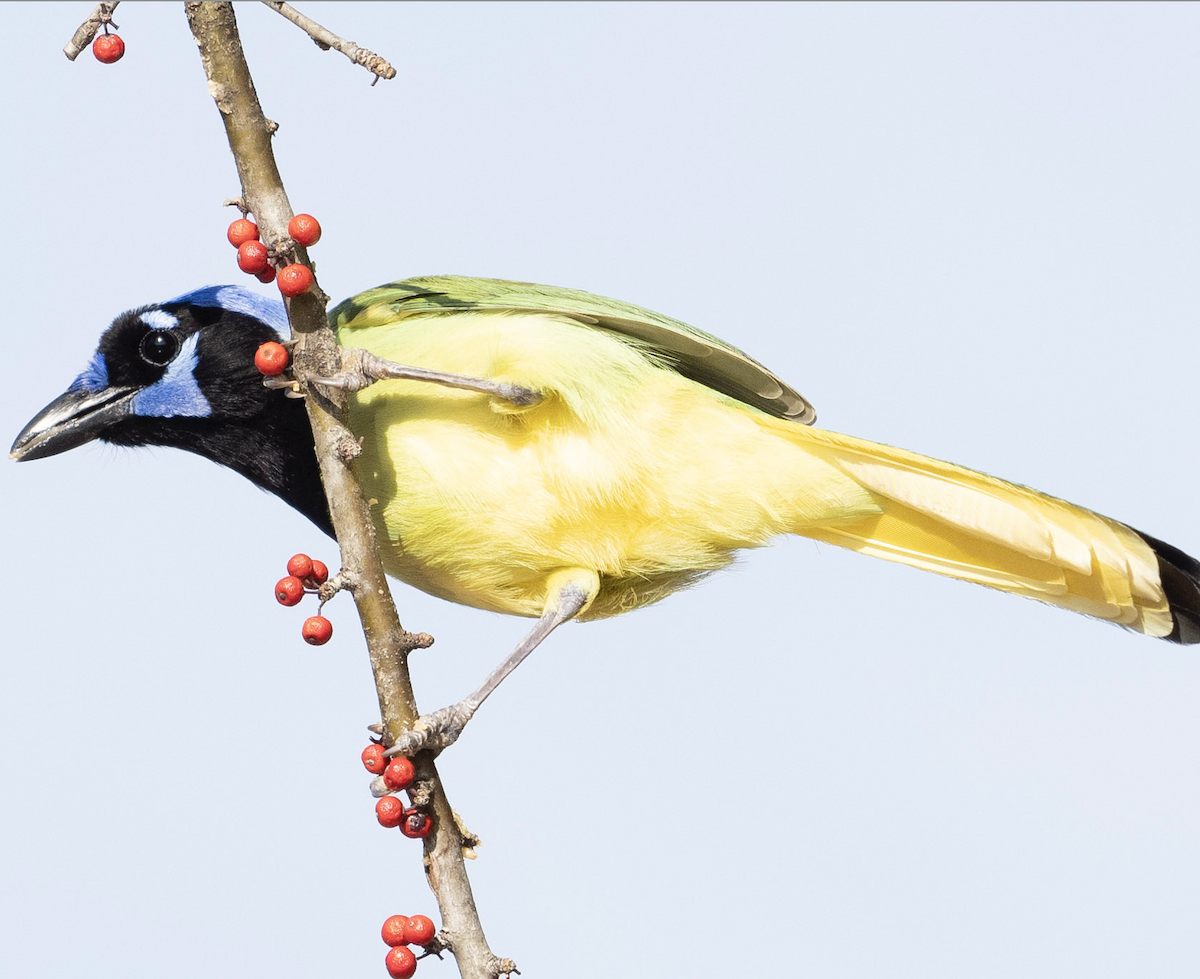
[969,230]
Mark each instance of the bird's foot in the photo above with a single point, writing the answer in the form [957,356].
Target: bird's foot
[285,383]
[433,732]
[356,372]
[361,369]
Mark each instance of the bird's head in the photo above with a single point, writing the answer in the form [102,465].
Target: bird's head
[181,373]
[164,374]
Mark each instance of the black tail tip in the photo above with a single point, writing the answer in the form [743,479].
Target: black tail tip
[1180,575]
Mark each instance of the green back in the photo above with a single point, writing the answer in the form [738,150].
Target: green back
[693,353]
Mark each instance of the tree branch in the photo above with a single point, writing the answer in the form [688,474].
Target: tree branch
[215,29]
[326,39]
[87,30]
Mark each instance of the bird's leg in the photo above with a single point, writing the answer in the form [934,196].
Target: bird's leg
[574,592]
[361,369]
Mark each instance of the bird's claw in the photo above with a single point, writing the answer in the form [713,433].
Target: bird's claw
[433,732]
[354,375]
[344,380]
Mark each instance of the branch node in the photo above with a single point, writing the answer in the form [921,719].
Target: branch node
[469,840]
[420,793]
[415,640]
[437,946]
[87,30]
[342,581]
[348,447]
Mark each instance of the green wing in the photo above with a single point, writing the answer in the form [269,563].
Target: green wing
[693,353]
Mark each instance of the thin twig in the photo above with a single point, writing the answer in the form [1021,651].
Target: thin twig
[326,39]
[315,353]
[87,30]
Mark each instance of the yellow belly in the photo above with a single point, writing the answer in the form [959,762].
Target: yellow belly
[625,468]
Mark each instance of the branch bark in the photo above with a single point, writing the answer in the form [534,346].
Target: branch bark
[326,39]
[230,84]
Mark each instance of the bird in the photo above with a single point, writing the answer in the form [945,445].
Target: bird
[549,453]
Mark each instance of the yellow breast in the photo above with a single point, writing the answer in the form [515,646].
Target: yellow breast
[625,467]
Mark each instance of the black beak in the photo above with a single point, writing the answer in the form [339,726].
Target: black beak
[70,420]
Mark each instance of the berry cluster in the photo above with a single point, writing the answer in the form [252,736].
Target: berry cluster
[304,577]
[108,48]
[399,932]
[398,774]
[254,258]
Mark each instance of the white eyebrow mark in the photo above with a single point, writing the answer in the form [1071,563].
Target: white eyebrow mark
[158,319]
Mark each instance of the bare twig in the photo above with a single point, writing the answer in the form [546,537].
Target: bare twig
[87,30]
[315,354]
[326,39]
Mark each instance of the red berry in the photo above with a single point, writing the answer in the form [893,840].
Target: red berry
[300,565]
[271,358]
[294,280]
[289,591]
[252,257]
[399,774]
[267,274]
[240,231]
[419,930]
[393,930]
[400,963]
[389,811]
[373,759]
[320,574]
[304,230]
[317,630]
[108,48]
[416,825]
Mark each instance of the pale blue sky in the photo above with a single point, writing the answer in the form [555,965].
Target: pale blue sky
[970,230]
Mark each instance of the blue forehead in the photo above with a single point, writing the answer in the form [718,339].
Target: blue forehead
[237,300]
[94,377]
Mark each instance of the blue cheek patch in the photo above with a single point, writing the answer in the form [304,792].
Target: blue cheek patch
[176,394]
[237,300]
[94,377]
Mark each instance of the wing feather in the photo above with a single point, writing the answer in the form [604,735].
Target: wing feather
[693,353]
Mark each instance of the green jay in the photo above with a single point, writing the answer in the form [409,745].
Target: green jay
[553,454]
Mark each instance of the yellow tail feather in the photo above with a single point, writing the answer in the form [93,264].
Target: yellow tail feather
[953,521]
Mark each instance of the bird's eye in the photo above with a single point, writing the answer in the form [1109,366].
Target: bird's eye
[159,347]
